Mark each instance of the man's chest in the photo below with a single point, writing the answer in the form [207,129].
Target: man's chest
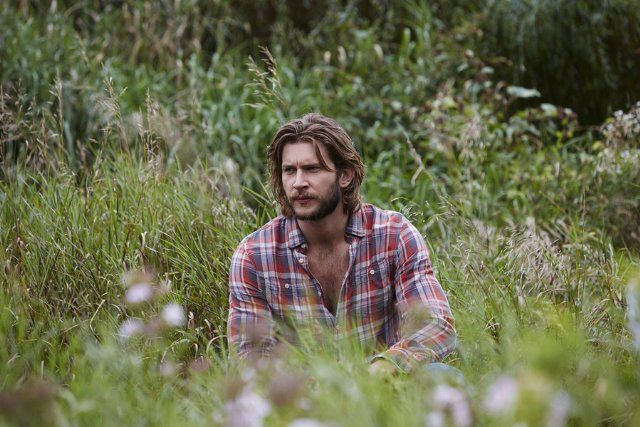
[330,267]
[296,284]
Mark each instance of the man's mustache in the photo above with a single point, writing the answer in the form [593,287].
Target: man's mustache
[302,196]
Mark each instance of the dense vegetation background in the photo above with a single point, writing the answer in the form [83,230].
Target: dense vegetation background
[132,142]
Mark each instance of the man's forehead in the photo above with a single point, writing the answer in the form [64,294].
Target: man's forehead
[304,152]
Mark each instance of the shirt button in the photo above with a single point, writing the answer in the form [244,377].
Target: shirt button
[319,293]
[286,285]
[304,246]
[300,260]
[372,271]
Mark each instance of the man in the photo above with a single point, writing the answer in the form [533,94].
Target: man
[331,259]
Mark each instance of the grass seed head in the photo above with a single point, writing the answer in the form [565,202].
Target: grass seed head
[130,328]
[138,293]
[173,315]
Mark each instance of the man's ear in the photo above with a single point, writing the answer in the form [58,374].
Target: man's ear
[346,176]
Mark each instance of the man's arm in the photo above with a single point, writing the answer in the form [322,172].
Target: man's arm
[428,332]
[250,326]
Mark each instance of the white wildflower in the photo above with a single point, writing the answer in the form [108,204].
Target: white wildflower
[452,401]
[435,419]
[247,410]
[501,395]
[304,404]
[327,57]
[307,422]
[138,293]
[130,327]
[167,368]
[559,410]
[229,167]
[173,315]
[247,375]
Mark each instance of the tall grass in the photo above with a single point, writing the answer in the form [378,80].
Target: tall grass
[149,162]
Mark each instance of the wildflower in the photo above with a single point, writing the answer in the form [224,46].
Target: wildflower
[130,327]
[230,167]
[248,409]
[327,57]
[173,315]
[451,401]
[501,395]
[560,408]
[138,293]
[435,419]
[167,368]
[285,388]
[304,404]
[247,375]
[307,422]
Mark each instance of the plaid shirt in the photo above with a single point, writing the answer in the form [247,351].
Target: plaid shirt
[390,294]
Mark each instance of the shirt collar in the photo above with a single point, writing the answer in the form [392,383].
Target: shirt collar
[355,227]
[295,236]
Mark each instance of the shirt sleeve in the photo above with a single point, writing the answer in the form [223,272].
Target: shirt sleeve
[427,329]
[250,327]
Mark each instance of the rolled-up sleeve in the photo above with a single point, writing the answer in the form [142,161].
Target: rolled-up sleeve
[427,328]
[250,325]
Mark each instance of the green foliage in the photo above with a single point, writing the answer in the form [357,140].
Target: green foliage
[66,246]
[579,54]
[132,139]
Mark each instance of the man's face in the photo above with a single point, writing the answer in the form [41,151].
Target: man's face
[313,192]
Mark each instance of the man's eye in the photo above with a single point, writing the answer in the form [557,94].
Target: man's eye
[288,171]
[313,169]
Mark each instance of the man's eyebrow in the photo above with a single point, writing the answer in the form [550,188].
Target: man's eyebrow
[304,166]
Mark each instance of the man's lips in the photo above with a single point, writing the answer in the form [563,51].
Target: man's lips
[302,198]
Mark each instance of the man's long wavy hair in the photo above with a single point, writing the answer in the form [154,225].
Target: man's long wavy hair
[316,129]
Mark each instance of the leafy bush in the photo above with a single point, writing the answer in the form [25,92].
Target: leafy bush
[580,54]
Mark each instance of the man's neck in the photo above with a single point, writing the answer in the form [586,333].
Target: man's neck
[327,232]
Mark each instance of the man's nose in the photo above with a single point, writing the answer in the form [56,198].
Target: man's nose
[300,181]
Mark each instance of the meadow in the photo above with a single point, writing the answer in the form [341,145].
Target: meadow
[132,162]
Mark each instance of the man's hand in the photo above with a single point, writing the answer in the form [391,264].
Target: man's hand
[382,368]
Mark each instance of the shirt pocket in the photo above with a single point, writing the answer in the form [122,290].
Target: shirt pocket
[288,297]
[372,295]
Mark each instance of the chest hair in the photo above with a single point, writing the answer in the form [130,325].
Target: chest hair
[329,267]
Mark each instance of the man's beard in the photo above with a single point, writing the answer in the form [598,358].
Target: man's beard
[325,207]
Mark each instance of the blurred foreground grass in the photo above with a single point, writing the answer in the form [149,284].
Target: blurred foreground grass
[131,173]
